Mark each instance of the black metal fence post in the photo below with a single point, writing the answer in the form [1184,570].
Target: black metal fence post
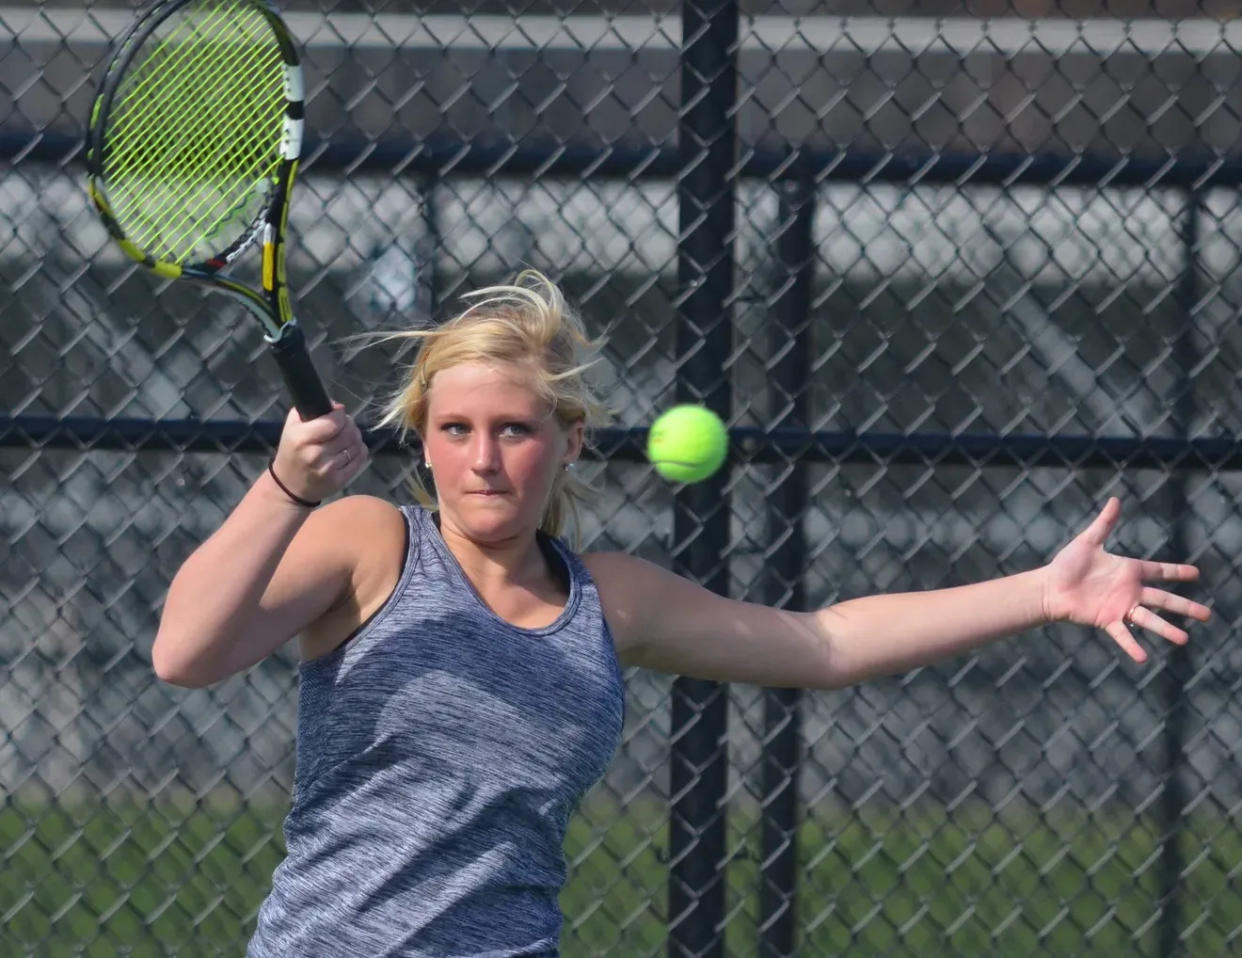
[426,282]
[1177,670]
[789,373]
[706,188]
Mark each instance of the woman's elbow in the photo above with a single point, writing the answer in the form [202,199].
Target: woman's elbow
[173,668]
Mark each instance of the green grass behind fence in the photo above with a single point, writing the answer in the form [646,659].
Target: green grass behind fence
[109,879]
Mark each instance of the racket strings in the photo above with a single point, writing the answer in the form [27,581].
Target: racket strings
[190,188]
[162,72]
[170,52]
[141,116]
[195,136]
[156,107]
[157,124]
[253,159]
[196,151]
[191,194]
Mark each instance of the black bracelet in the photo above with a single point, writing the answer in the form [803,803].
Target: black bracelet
[285,489]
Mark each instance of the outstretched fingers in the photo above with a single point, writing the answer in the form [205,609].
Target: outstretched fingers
[1152,598]
[1148,612]
[1145,618]
[1168,571]
[1143,615]
[1124,638]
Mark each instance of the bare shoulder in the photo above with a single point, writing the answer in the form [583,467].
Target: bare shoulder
[371,533]
[615,569]
[366,538]
[629,589]
[369,509]
[350,525]
[663,621]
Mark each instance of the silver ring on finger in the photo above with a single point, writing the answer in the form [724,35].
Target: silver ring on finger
[1129,619]
[349,457]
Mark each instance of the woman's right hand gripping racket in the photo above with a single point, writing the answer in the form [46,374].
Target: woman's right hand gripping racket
[194,143]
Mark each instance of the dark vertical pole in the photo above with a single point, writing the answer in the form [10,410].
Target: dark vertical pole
[790,375]
[425,254]
[1176,674]
[701,512]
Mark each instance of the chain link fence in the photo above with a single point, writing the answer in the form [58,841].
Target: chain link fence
[953,276]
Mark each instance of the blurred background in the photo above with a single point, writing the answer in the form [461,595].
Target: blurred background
[953,273]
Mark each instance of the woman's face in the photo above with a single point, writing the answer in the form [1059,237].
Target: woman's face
[494,449]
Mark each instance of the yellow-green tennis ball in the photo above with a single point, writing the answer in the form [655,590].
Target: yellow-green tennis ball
[687,443]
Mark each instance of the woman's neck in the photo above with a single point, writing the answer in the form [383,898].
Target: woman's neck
[515,561]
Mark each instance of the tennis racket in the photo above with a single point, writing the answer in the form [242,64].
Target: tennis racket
[193,146]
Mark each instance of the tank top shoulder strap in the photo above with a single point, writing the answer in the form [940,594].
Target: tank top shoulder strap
[575,568]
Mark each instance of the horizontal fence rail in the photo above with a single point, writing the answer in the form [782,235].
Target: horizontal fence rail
[423,157]
[747,444]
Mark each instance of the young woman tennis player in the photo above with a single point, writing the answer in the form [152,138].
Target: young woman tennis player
[460,686]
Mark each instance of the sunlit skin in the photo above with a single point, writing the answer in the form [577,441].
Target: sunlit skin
[494,449]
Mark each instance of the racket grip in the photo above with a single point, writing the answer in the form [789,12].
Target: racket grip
[310,399]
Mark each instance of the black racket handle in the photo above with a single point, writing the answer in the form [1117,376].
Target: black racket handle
[310,399]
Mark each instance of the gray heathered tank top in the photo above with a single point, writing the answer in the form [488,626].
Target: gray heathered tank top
[440,753]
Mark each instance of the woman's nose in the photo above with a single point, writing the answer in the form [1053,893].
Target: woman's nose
[485,454]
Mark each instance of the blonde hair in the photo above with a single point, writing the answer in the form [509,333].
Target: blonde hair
[527,324]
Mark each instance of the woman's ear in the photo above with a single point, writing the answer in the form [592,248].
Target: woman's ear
[575,437]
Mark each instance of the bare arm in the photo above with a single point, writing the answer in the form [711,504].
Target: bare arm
[266,575]
[272,568]
[884,634]
[662,621]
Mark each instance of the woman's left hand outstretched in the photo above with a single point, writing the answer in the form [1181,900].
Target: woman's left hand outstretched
[1090,586]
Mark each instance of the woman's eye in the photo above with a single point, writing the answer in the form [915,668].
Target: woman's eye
[454,428]
[516,429]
